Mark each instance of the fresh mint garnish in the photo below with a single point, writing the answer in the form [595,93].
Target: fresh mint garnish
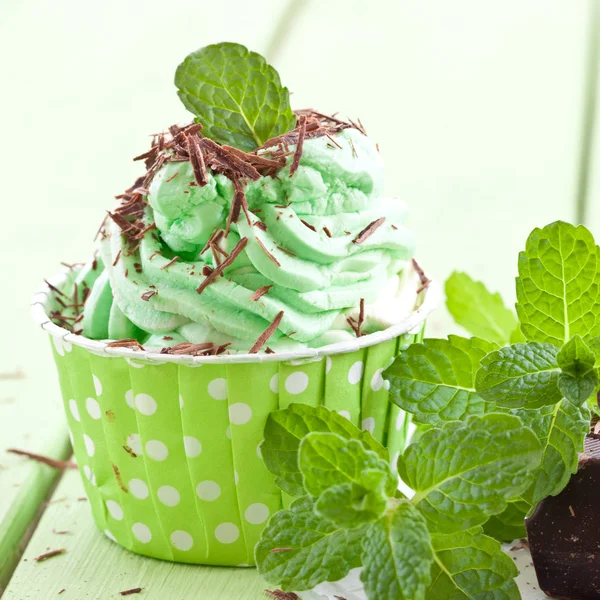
[558,287]
[479,311]
[578,378]
[470,564]
[462,474]
[509,525]
[397,555]
[235,94]
[299,549]
[435,380]
[561,430]
[521,375]
[467,471]
[285,430]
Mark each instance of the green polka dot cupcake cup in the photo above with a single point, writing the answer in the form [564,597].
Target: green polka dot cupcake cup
[168,446]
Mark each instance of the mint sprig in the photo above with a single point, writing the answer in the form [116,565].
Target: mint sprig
[435,380]
[235,94]
[467,471]
[462,474]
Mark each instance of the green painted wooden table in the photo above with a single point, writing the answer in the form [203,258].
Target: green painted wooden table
[484,114]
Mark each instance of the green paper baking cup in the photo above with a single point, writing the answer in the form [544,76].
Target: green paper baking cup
[168,446]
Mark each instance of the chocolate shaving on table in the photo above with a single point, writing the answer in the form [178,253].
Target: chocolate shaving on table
[260,292]
[50,554]
[61,465]
[299,145]
[171,262]
[147,295]
[136,590]
[368,231]
[228,261]
[125,343]
[266,334]
[425,281]
[264,248]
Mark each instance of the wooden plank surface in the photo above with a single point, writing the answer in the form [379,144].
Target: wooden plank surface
[95,567]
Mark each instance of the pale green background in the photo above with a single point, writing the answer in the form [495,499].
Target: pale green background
[482,109]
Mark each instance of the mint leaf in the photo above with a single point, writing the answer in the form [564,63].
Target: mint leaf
[471,565]
[435,380]
[350,505]
[235,94]
[558,288]
[467,471]
[509,525]
[285,429]
[327,459]
[298,549]
[479,311]
[578,379]
[561,430]
[397,556]
[520,375]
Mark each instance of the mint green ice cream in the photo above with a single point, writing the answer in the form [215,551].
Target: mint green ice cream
[302,242]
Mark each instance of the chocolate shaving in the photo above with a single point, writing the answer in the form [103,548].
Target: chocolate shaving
[136,590]
[197,160]
[268,253]
[425,281]
[266,334]
[171,262]
[368,231]
[205,349]
[311,227]
[55,289]
[147,295]
[361,316]
[117,258]
[50,554]
[126,343]
[172,177]
[260,292]
[154,254]
[327,232]
[299,145]
[60,465]
[260,225]
[228,261]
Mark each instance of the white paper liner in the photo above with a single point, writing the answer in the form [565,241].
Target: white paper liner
[411,324]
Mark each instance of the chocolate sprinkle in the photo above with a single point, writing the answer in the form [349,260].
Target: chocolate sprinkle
[264,248]
[60,465]
[126,343]
[228,261]
[425,281]
[327,232]
[266,334]
[299,145]
[50,554]
[171,262]
[136,590]
[311,227]
[147,295]
[260,292]
[368,231]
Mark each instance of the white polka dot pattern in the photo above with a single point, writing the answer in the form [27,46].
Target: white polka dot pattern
[208,490]
[142,532]
[192,446]
[355,372]
[296,382]
[115,510]
[156,450]
[97,385]
[93,408]
[168,495]
[74,410]
[239,413]
[138,488]
[217,389]
[227,533]
[182,540]
[145,404]
[257,513]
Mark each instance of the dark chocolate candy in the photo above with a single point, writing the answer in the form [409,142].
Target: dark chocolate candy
[564,533]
